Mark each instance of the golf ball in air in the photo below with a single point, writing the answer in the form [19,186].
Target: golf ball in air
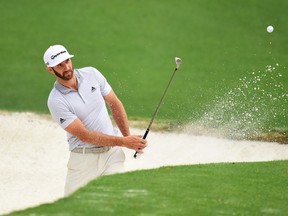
[270,29]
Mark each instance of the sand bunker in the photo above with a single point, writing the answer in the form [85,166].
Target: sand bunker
[34,153]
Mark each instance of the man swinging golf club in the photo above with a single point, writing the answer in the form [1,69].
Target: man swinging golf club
[77,103]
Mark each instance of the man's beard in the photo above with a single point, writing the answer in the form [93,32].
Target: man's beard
[67,75]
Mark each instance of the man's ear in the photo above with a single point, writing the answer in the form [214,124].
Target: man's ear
[50,70]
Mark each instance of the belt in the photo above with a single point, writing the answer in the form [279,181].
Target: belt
[95,150]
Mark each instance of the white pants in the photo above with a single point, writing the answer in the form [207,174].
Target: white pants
[83,168]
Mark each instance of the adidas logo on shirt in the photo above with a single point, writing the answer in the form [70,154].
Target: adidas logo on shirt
[62,120]
[93,89]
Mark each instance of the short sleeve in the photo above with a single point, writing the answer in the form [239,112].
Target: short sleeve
[60,112]
[104,85]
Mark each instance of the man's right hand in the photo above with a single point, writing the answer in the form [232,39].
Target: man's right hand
[135,142]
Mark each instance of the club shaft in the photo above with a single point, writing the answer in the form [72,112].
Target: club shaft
[158,107]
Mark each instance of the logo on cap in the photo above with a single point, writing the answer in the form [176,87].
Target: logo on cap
[54,56]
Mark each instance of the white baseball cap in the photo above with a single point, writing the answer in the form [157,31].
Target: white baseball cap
[56,54]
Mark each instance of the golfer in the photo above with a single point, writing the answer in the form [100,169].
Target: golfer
[77,103]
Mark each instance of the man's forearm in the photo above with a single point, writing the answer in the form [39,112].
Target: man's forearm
[120,117]
[93,137]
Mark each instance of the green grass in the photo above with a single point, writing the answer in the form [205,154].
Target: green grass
[134,44]
[213,189]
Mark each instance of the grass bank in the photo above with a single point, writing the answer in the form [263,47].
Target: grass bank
[213,189]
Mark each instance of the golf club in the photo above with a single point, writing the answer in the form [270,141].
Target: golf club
[178,61]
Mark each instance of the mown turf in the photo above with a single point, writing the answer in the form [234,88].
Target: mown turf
[213,189]
[222,43]
[134,44]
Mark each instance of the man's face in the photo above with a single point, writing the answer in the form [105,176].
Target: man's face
[64,70]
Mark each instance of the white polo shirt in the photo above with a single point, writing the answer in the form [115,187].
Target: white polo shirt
[86,103]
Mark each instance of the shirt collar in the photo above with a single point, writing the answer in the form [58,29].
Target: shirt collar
[64,89]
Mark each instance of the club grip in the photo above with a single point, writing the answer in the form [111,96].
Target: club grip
[146,133]
[144,137]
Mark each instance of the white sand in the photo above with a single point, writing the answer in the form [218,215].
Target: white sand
[34,154]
